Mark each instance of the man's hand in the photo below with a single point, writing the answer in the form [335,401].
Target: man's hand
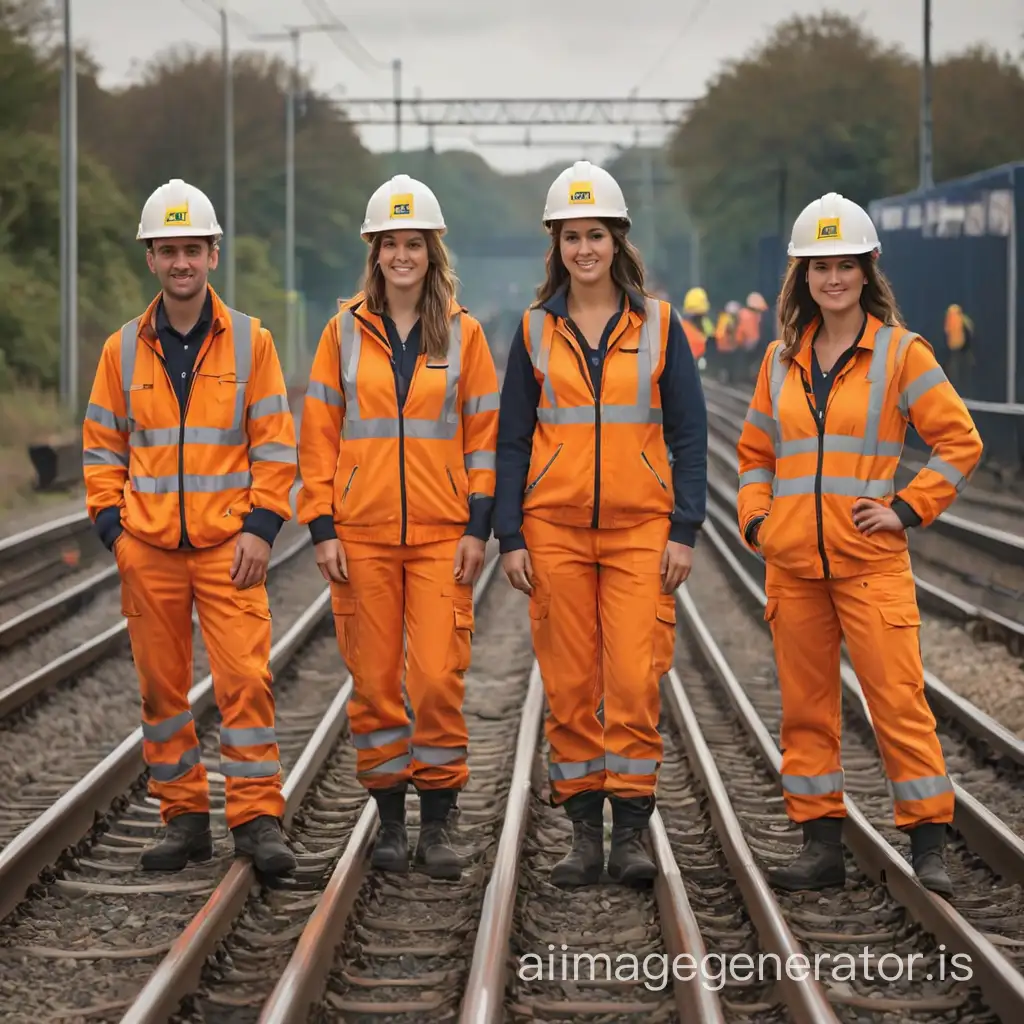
[330,560]
[676,562]
[252,556]
[469,560]
[518,569]
[870,517]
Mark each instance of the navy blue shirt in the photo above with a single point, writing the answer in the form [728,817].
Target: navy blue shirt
[684,423]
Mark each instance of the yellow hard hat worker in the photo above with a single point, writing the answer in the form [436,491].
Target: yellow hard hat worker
[696,302]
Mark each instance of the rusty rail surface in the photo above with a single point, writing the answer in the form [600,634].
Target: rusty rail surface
[71,817]
[1001,984]
[179,972]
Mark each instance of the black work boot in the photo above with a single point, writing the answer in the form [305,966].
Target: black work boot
[628,860]
[188,838]
[262,840]
[584,862]
[434,853]
[926,845]
[820,864]
[391,850]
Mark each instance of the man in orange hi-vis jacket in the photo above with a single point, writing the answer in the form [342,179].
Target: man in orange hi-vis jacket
[189,462]
[817,457]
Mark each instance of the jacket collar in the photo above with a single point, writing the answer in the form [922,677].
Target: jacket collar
[219,321]
[865,340]
[357,305]
[630,302]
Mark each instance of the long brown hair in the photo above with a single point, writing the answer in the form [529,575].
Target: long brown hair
[439,288]
[627,265]
[797,309]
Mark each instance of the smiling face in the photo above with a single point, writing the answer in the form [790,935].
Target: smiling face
[587,249]
[182,265]
[403,259]
[836,282]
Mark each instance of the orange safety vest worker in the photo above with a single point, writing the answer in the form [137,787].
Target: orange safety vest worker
[171,481]
[802,468]
[958,325]
[725,332]
[748,328]
[695,336]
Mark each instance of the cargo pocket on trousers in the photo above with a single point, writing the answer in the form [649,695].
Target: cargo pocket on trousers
[664,634]
[771,609]
[900,615]
[343,607]
[463,625]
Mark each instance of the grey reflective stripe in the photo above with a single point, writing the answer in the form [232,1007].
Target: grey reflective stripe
[563,770]
[161,732]
[396,764]
[490,402]
[481,460]
[845,444]
[756,476]
[162,436]
[847,486]
[912,392]
[776,378]
[380,738]
[268,406]
[273,451]
[951,473]
[253,736]
[439,755]
[104,457]
[249,769]
[650,343]
[878,379]
[765,422]
[241,336]
[582,414]
[105,418]
[921,789]
[631,765]
[539,353]
[324,393]
[129,342]
[476,495]
[172,772]
[194,483]
[813,785]
[354,427]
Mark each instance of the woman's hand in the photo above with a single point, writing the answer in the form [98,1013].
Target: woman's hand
[870,517]
[469,560]
[676,562]
[518,569]
[330,560]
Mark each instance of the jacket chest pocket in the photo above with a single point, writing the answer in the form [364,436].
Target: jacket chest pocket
[217,397]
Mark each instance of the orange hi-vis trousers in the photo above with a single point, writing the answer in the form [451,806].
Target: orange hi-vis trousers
[395,592]
[877,614]
[601,627]
[158,588]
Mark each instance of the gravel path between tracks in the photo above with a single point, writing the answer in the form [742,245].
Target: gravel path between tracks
[48,745]
[995,908]
[118,921]
[52,507]
[90,565]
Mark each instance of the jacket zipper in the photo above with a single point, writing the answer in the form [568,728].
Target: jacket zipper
[819,420]
[455,490]
[643,455]
[547,466]
[597,429]
[348,485]
[182,413]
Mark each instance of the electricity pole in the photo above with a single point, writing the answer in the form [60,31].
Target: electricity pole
[292,35]
[229,159]
[926,175]
[69,223]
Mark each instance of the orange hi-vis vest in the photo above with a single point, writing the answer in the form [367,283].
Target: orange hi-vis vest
[620,429]
[695,337]
[804,470]
[233,450]
[391,475]
[748,328]
[725,332]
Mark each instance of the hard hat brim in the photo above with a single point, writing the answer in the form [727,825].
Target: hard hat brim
[185,232]
[367,233]
[833,249]
[615,215]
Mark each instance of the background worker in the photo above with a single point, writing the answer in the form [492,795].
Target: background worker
[817,457]
[593,521]
[725,339]
[696,324]
[189,463]
[397,451]
[959,330]
[748,336]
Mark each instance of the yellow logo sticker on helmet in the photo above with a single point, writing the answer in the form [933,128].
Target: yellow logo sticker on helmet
[581,192]
[828,229]
[177,217]
[402,206]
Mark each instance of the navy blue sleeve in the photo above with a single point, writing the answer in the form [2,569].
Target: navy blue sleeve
[480,512]
[264,524]
[517,419]
[322,528]
[108,526]
[685,424]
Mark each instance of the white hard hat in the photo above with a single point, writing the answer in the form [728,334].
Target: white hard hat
[833,226]
[178,210]
[585,190]
[403,203]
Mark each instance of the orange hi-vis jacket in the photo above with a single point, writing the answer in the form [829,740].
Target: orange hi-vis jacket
[804,471]
[397,475]
[695,337]
[195,473]
[725,332]
[628,442]
[748,328]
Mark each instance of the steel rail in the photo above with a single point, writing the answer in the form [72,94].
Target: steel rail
[179,972]
[1001,984]
[72,815]
[35,537]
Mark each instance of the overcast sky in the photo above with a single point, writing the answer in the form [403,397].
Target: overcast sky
[522,48]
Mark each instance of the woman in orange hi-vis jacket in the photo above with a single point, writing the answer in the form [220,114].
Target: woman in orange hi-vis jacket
[602,482]
[817,456]
[397,449]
